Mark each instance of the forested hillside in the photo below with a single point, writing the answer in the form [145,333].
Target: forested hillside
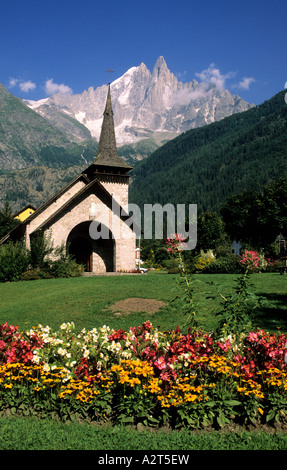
[205,165]
[28,139]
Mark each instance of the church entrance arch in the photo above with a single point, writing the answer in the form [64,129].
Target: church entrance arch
[95,255]
[82,251]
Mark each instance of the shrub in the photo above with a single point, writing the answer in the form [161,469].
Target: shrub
[224,265]
[173,271]
[34,274]
[203,260]
[253,261]
[18,263]
[41,248]
[64,265]
[170,263]
[14,259]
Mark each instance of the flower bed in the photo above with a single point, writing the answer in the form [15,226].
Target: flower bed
[144,375]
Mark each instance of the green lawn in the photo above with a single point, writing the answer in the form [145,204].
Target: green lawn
[33,434]
[85,300]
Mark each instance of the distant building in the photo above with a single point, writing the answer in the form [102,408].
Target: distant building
[24,213]
[236,247]
[90,197]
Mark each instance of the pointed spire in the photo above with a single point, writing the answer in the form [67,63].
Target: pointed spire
[107,150]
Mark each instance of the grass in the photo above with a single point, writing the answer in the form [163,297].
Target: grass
[85,301]
[32,434]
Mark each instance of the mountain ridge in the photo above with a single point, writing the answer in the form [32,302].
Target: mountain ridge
[202,166]
[27,138]
[205,165]
[147,102]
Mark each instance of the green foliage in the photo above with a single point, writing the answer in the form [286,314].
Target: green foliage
[7,221]
[64,265]
[23,185]
[237,309]
[203,260]
[33,274]
[185,283]
[153,253]
[41,247]
[228,264]
[205,165]
[211,233]
[27,138]
[20,433]
[256,218]
[18,263]
[14,260]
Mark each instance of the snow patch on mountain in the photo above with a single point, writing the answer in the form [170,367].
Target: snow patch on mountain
[145,103]
[35,104]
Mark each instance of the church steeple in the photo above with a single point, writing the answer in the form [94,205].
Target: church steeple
[107,156]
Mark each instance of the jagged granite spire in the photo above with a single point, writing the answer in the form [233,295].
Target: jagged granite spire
[107,150]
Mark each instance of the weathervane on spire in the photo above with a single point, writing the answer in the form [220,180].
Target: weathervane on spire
[109,71]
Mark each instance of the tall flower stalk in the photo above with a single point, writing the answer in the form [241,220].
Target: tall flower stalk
[176,243]
[238,308]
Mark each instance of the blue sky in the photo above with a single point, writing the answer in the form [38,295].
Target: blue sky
[49,46]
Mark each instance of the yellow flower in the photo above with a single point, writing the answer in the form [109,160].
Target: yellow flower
[8,385]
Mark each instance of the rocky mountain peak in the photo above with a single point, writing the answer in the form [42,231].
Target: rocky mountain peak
[146,103]
[160,67]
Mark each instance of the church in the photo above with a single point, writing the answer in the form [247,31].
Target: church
[90,214]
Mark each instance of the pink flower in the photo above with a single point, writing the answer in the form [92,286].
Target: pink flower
[225,346]
[147,325]
[160,363]
[250,259]
[253,336]
[175,242]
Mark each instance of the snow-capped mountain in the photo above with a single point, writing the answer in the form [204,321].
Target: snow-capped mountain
[145,103]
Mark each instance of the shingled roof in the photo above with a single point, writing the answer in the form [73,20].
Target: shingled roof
[107,155]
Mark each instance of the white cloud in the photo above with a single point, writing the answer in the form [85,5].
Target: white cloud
[51,88]
[24,86]
[210,78]
[181,75]
[185,96]
[246,82]
[213,77]
[13,82]
[27,86]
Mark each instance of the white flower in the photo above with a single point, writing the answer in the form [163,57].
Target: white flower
[126,354]
[36,357]
[62,352]
[86,352]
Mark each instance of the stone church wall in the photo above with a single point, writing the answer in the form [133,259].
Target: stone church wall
[79,211]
